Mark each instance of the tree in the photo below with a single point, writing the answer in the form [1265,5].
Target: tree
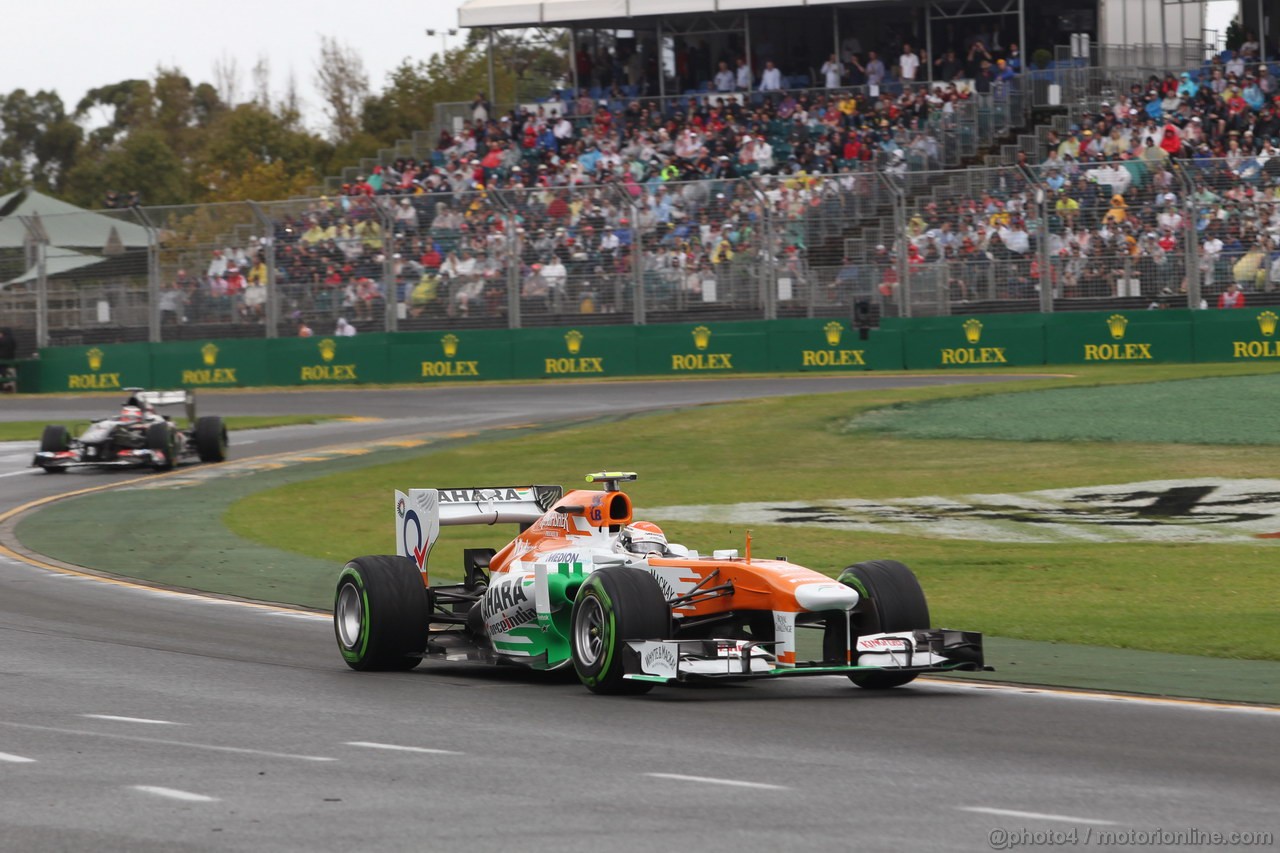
[344,85]
[39,141]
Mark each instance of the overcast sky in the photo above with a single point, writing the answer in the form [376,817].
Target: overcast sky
[72,46]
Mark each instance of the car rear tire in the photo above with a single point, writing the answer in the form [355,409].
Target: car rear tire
[615,604]
[894,602]
[54,439]
[160,440]
[211,439]
[380,614]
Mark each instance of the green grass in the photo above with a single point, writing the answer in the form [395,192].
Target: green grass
[1218,410]
[30,430]
[1196,599]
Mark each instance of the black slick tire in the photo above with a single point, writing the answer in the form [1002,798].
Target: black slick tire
[615,604]
[894,601]
[211,439]
[54,439]
[380,614]
[160,440]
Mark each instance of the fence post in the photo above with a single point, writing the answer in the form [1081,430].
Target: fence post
[768,256]
[273,290]
[153,275]
[390,295]
[637,255]
[1190,238]
[39,239]
[899,201]
[514,240]
[1042,201]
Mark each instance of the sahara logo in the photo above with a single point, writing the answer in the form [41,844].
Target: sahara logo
[419,546]
[973,354]
[1117,324]
[1198,510]
[574,364]
[833,357]
[209,374]
[702,360]
[93,381]
[328,372]
[449,368]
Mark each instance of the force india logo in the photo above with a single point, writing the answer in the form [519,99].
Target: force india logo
[1204,510]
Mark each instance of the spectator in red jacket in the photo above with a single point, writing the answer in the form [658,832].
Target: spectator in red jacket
[1232,297]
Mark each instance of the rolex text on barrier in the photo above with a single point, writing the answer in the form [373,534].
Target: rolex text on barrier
[1095,337]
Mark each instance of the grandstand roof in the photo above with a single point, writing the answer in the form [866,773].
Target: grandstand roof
[57,262]
[65,224]
[532,13]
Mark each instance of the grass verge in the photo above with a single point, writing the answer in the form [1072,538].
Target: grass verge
[1194,599]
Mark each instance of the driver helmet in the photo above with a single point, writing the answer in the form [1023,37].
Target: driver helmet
[644,538]
[131,415]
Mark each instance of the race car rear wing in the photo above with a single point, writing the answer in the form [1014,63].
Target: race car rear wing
[421,512]
[183,397]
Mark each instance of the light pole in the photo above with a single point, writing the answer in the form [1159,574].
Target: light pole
[442,33]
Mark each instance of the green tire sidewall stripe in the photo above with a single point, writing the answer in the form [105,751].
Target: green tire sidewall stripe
[595,588]
[357,654]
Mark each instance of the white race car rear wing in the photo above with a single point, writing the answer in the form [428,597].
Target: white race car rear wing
[421,512]
[169,398]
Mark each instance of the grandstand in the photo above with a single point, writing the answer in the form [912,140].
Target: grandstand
[1135,177]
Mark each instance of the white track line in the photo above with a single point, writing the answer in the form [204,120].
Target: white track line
[16,759]
[15,473]
[208,747]
[174,794]
[1095,696]
[113,718]
[397,748]
[736,783]
[1036,815]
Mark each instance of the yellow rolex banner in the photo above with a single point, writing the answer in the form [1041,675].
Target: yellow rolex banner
[1111,337]
[1237,334]
[981,341]
[209,363]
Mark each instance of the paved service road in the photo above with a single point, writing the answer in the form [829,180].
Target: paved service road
[143,720]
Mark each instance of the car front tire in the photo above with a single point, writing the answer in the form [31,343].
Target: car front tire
[380,614]
[615,604]
[896,602]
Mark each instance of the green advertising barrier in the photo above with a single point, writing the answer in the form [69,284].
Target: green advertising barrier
[327,360]
[1237,334]
[832,345]
[580,351]
[989,340]
[1097,337]
[109,367]
[684,348]
[450,355]
[209,364]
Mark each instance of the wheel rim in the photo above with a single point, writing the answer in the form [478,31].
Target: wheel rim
[349,615]
[589,632]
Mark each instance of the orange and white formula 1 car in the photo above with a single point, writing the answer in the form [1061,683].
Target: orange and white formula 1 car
[585,585]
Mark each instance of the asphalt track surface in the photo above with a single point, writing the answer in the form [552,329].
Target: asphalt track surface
[145,720]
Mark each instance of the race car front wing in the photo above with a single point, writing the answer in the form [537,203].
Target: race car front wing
[90,457]
[930,650]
